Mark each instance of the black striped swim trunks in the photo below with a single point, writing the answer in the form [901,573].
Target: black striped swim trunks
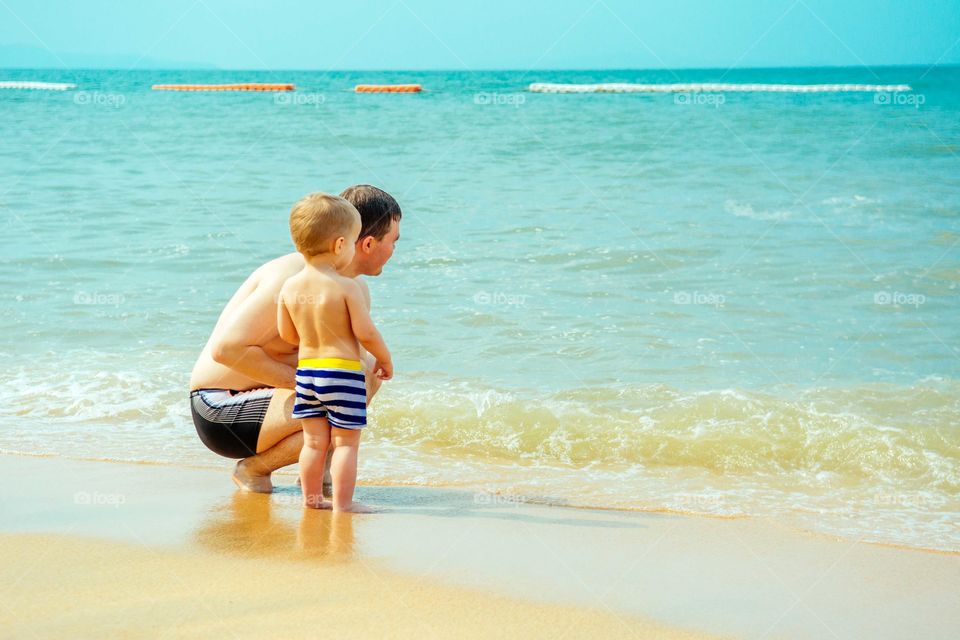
[229,422]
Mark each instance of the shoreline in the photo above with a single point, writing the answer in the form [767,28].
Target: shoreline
[511,498]
[668,575]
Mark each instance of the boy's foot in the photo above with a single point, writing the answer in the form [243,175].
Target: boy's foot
[357,507]
[323,504]
[327,488]
[252,482]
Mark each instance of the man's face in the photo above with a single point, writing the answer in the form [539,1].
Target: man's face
[345,257]
[379,251]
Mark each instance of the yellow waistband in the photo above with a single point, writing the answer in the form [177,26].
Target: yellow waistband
[329,363]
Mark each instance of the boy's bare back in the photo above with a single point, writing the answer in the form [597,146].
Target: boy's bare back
[317,303]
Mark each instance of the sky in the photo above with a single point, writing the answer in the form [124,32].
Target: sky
[470,35]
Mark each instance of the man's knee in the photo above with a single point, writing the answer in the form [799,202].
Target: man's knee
[373,385]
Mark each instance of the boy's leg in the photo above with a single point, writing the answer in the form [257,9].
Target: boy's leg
[343,468]
[373,384]
[313,457]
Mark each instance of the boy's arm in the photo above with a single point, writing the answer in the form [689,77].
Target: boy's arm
[285,326]
[368,360]
[364,329]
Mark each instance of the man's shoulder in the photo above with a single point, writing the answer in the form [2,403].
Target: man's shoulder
[275,273]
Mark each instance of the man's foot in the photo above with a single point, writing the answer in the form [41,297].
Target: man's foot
[313,504]
[248,481]
[327,477]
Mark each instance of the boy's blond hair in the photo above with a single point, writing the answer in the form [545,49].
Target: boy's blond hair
[318,219]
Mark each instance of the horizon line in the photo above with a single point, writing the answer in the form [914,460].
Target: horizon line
[485,70]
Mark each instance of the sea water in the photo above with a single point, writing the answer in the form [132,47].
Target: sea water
[731,304]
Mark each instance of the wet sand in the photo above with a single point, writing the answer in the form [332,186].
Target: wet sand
[146,550]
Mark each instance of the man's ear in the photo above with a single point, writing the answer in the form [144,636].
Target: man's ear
[366,245]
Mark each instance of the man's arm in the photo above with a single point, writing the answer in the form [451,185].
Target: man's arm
[285,326]
[239,346]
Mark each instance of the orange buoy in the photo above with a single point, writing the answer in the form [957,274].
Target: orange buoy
[247,86]
[388,88]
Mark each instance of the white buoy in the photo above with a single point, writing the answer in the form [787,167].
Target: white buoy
[711,87]
[46,86]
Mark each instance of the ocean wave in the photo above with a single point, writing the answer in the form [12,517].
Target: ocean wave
[868,433]
[902,433]
[879,460]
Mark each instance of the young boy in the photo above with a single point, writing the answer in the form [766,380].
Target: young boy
[326,315]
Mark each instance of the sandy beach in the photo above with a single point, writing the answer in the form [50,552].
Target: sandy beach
[93,588]
[98,548]
[627,319]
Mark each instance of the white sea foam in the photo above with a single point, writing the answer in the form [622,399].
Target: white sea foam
[746,210]
[712,87]
[41,86]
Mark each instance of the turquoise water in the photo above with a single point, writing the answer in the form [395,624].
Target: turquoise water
[727,303]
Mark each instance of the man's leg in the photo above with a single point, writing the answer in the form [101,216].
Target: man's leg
[373,385]
[279,445]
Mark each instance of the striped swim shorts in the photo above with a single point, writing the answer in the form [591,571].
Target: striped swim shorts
[331,388]
[229,422]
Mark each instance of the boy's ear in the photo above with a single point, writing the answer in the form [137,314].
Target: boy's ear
[339,244]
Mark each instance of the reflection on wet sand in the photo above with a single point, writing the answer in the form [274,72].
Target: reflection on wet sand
[276,526]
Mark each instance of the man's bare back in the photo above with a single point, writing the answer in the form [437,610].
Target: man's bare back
[246,337]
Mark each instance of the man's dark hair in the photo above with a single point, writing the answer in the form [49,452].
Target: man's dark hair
[377,209]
